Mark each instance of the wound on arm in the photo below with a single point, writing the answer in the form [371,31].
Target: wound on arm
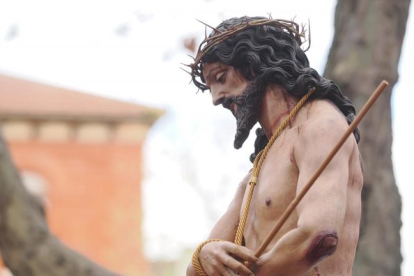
[323,245]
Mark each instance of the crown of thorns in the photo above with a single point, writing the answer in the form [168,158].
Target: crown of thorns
[291,27]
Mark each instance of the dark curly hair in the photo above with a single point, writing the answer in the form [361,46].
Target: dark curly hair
[270,55]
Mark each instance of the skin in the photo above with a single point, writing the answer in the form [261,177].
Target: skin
[321,236]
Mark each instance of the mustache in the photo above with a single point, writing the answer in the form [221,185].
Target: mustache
[228,104]
[228,101]
[238,100]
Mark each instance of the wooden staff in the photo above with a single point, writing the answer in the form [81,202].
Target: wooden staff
[318,172]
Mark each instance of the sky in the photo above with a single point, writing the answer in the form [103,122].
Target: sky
[132,50]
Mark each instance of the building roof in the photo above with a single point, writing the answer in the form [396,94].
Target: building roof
[29,99]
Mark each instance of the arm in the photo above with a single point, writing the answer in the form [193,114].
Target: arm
[217,257]
[321,213]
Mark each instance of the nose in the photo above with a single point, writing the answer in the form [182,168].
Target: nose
[217,96]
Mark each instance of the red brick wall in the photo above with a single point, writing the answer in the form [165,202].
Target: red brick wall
[94,198]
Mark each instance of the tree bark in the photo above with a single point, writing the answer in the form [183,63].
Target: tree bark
[366,49]
[26,245]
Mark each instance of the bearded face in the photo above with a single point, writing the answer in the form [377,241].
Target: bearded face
[229,88]
[246,109]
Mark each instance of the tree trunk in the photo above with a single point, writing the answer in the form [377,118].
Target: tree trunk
[26,245]
[366,49]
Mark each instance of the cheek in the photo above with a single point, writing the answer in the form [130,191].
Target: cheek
[238,87]
[238,83]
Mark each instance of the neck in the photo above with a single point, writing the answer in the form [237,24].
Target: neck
[276,105]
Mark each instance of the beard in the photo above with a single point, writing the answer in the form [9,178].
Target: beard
[248,111]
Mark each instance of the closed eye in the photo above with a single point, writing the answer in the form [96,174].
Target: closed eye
[221,77]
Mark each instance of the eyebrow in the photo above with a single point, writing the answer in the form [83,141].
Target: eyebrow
[211,70]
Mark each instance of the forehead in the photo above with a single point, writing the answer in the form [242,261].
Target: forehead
[210,67]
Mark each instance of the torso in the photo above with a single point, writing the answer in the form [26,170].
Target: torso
[276,188]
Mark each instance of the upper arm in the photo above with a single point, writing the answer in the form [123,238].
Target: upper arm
[324,206]
[226,226]
[321,212]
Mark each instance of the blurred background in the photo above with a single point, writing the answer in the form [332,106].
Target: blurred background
[131,165]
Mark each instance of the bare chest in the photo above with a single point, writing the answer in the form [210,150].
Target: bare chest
[275,189]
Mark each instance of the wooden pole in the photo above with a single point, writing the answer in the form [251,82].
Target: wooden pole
[319,171]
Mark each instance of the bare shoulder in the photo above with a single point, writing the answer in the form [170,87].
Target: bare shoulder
[322,130]
[324,117]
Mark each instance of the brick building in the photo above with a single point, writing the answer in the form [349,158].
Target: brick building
[81,156]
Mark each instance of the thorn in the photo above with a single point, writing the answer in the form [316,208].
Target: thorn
[309,36]
[270,15]
[185,71]
[187,65]
[247,21]
[208,26]
[191,56]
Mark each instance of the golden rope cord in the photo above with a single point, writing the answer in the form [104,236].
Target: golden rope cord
[258,162]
